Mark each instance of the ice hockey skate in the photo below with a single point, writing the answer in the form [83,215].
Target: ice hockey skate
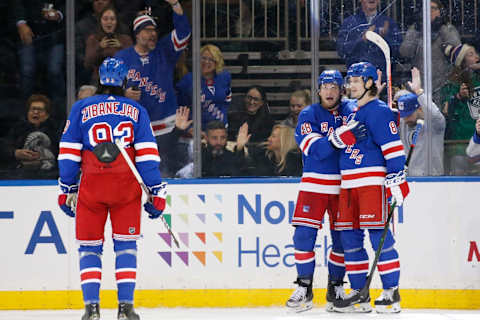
[389,301]
[335,291]
[354,302]
[301,299]
[92,312]
[126,312]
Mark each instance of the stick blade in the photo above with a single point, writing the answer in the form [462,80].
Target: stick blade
[379,41]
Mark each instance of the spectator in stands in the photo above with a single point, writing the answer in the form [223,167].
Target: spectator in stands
[217,160]
[105,42]
[352,46]
[41,31]
[461,96]
[278,156]
[412,107]
[443,34]
[256,114]
[216,86]
[151,63]
[473,149]
[86,91]
[298,100]
[86,26]
[33,142]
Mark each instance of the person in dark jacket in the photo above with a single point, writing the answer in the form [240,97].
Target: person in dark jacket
[217,161]
[256,114]
[41,41]
[32,144]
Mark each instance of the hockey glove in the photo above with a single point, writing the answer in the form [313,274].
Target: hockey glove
[348,134]
[156,202]
[397,187]
[67,199]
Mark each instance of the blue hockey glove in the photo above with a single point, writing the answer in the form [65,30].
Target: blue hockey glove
[348,134]
[67,199]
[156,203]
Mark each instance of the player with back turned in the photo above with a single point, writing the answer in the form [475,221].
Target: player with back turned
[372,171]
[320,186]
[107,186]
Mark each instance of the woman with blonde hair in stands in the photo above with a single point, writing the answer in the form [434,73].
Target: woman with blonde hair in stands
[278,156]
[298,100]
[216,86]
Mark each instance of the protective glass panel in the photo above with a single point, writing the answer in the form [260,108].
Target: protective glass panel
[32,84]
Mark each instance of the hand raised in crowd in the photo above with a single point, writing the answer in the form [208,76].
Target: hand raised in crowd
[181,118]
[243,137]
[25,154]
[51,15]
[25,33]
[371,28]
[133,93]
[379,84]
[384,30]
[416,83]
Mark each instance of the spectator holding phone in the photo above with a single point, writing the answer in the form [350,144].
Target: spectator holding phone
[105,42]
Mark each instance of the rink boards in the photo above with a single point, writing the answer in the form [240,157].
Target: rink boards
[236,247]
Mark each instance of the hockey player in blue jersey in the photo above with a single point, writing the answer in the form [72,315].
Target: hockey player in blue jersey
[107,186]
[320,186]
[372,171]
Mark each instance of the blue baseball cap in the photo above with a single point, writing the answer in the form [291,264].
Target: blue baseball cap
[407,104]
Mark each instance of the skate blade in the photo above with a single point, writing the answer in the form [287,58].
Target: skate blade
[393,308]
[357,308]
[301,308]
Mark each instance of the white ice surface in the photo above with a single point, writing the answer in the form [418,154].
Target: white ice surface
[243,313]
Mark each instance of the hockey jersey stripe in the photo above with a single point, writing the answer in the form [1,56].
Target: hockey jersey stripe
[320,181]
[147,151]
[336,258]
[69,157]
[356,266]
[71,145]
[125,275]
[388,265]
[308,141]
[149,157]
[304,257]
[90,275]
[318,188]
[179,44]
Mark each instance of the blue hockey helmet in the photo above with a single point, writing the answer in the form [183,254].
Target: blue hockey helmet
[362,69]
[330,76]
[112,72]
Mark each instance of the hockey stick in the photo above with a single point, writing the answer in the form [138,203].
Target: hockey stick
[144,187]
[383,45]
[365,291]
[366,288]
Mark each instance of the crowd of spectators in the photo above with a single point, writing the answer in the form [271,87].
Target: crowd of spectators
[153,33]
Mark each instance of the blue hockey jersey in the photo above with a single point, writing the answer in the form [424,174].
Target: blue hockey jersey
[104,118]
[215,99]
[321,173]
[153,74]
[368,161]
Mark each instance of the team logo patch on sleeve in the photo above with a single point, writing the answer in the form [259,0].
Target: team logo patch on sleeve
[306,208]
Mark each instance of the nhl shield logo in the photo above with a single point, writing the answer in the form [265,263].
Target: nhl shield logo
[306,208]
[131,230]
